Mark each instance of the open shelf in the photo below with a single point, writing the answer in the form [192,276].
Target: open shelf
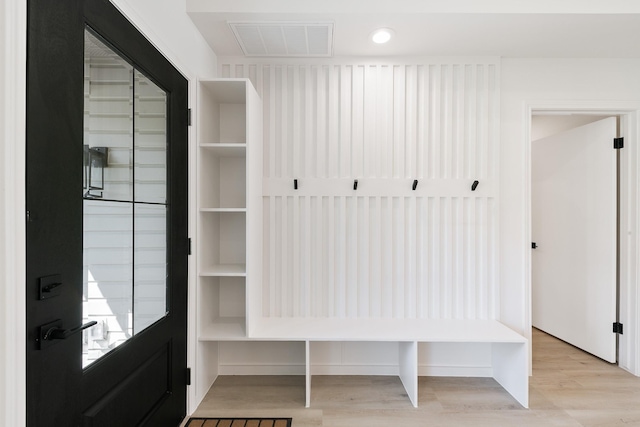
[224,329]
[236,149]
[222,308]
[223,111]
[223,243]
[227,210]
[222,179]
[224,270]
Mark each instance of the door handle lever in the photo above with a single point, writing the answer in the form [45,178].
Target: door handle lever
[57,333]
[54,330]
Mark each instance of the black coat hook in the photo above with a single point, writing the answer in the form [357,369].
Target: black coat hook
[474,185]
[355,184]
[415,184]
[295,184]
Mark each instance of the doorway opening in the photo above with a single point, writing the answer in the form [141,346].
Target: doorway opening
[574,216]
[628,114]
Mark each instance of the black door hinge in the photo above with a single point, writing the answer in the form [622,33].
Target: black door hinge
[187,376]
[618,143]
[617,328]
[189,117]
[189,246]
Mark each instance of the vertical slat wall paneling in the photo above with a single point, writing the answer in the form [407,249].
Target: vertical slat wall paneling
[386,259]
[333,123]
[383,250]
[399,95]
[345,121]
[386,135]
[421,259]
[331,258]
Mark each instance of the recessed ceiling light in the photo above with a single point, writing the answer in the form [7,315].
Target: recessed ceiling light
[382,35]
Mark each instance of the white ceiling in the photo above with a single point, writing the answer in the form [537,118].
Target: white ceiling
[506,28]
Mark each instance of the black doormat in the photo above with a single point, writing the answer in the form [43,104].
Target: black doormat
[239,422]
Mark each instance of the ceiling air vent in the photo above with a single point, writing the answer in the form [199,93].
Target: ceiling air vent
[284,39]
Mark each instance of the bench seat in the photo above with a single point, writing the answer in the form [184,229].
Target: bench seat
[510,353]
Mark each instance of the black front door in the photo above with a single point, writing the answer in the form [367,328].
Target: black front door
[106,222]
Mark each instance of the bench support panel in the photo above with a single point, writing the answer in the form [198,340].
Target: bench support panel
[408,361]
[511,369]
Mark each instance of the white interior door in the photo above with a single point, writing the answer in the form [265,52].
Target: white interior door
[574,218]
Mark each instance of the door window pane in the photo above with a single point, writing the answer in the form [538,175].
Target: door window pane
[150,136]
[124,192]
[150,265]
[108,123]
[108,276]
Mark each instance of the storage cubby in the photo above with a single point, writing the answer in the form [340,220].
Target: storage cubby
[262,358]
[222,313]
[223,105]
[223,243]
[223,180]
[382,358]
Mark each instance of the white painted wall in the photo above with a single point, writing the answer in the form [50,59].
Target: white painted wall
[166,24]
[574,84]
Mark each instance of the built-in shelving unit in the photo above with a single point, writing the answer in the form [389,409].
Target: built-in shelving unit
[301,272]
[229,204]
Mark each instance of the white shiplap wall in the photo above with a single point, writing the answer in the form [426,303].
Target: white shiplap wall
[383,250]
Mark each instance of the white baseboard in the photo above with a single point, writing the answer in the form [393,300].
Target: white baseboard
[383,370]
[455,371]
[259,369]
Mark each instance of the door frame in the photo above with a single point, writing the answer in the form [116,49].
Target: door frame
[629,296]
[12,218]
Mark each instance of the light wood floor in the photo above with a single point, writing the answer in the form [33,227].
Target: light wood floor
[569,388]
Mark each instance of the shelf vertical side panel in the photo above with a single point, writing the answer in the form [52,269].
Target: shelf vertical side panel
[254,234]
